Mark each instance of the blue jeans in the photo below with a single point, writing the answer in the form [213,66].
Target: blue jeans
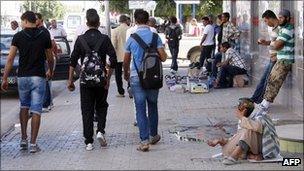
[147,125]
[217,59]
[31,93]
[259,92]
[174,49]
[47,101]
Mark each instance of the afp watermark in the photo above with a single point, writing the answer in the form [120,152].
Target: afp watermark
[291,161]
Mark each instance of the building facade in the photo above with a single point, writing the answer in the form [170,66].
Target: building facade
[247,15]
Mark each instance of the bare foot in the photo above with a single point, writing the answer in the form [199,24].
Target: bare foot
[256,157]
[213,143]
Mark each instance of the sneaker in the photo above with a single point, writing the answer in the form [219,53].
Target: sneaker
[102,140]
[120,95]
[173,72]
[155,139]
[45,110]
[23,145]
[34,148]
[135,123]
[195,65]
[229,161]
[89,147]
[130,93]
[144,147]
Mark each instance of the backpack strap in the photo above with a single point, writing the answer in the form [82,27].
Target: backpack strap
[84,44]
[29,36]
[154,40]
[98,44]
[140,41]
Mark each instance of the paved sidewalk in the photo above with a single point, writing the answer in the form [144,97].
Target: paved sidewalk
[61,141]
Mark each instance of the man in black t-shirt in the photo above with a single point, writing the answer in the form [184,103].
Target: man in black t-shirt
[34,46]
[93,98]
[174,34]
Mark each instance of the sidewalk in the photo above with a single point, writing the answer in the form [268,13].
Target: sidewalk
[61,141]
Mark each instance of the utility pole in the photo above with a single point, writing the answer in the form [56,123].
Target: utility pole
[107,15]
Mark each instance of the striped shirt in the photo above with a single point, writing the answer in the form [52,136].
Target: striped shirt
[286,34]
[273,36]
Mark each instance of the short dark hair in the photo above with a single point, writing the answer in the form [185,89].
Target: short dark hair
[205,18]
[226,14]
[29,16]
[141,16]
[92,18]
[219,16]
[39,16]
[226,45]
[123,18]
[248,104]
[173,19]
[269,14]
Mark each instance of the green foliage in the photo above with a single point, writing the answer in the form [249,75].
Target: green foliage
[121,6]
[207,7]
[48,8]
[165,8]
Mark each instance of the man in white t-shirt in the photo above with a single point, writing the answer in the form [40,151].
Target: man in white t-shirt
[57,31]
[207,44]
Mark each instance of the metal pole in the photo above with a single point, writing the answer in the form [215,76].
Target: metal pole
[177,10]
[107,15]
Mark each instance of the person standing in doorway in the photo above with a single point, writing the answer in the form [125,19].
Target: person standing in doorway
[173,34]
[271,20]
[93,97]
[34,46]
[118,38]
[148,126]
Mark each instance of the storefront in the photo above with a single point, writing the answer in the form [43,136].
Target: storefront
[247,16]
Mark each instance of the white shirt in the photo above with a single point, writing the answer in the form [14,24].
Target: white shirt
[58,32]
[133,30]
[209,31]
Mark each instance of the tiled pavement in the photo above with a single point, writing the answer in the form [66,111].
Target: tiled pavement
[61,141]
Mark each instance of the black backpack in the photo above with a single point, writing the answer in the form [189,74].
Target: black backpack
[92,69]
[150,72]
[173,34]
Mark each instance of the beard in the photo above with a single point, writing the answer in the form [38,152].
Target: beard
[283,23]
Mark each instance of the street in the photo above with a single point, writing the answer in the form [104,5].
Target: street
[184,124]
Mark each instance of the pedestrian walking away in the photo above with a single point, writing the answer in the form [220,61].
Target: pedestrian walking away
[48,98]
[118,38]
[148,126]
[90,52]
[173,34]
[34,46]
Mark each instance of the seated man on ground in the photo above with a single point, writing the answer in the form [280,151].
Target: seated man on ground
[233,65]
[247,142]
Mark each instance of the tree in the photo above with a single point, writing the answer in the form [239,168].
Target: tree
[47,8]
[207,7]
[165,8]
[120,6]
